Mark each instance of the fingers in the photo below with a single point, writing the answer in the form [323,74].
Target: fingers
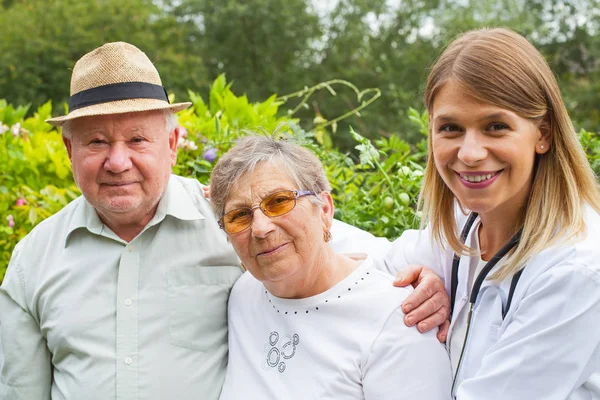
[206,190]
[408,275]
[428,285]
[431,322]
[430,307]
[442,334]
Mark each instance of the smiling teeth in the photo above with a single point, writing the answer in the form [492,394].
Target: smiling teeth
[477,178]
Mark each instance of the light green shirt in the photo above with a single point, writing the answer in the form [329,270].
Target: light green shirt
[86,315]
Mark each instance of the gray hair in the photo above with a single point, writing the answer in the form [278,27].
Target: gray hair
[302,166]
[171,122]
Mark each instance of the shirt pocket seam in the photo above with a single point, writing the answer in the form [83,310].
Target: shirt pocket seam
[197,299]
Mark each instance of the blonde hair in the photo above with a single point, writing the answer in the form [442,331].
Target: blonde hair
[501,68]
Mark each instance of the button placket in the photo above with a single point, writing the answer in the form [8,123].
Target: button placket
[127,324]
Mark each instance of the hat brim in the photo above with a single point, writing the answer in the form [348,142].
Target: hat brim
[119,107]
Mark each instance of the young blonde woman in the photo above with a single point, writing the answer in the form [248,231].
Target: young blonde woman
[513,226]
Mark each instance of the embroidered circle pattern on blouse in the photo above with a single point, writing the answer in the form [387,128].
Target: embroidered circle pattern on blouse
[278,351]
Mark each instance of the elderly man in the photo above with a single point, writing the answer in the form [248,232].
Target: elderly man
[123,293]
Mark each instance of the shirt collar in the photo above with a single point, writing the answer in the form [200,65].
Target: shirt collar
[84,217]
[176,202]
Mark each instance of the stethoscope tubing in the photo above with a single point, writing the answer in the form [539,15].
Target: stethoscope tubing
[514,241]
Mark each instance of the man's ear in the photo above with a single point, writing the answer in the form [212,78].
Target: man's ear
[173,141]
[67,143]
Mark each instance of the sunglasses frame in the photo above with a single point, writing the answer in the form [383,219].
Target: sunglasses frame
[297,194]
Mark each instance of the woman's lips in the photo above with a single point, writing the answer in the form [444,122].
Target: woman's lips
[478,179]
[273,250]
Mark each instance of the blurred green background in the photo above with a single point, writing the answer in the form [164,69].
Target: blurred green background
[280,46]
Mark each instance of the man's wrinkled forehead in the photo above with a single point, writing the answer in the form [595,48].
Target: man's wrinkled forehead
[119,123]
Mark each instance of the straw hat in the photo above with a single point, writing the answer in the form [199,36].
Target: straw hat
[115,78]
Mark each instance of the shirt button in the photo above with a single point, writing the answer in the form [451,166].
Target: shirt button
[128,302]
[128,360]
[131,248]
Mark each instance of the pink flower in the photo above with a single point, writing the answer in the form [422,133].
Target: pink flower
[16,129]
[183,132]
[21,202]
[187,144]
[11,220]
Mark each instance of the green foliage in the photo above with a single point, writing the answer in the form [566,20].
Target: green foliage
[35,174]
[277,46]
[379,192]
[264,46]
[42,40]
[375,187]
[211,129]
[591,144]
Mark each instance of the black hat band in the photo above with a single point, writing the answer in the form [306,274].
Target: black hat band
[116,92]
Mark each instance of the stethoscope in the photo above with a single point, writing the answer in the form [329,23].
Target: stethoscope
[479,281]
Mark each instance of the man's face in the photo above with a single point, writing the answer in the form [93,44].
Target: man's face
[122,163]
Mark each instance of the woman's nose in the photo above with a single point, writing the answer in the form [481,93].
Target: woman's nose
[261,224]
[472,149]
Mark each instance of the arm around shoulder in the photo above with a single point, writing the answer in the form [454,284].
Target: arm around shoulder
[414,247]
[347,238]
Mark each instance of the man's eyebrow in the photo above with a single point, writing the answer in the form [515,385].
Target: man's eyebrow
[134,130]
[91,131]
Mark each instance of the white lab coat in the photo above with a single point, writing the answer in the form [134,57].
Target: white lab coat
[548,346]
[348,239]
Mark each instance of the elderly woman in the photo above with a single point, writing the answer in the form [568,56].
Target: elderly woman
[306,322]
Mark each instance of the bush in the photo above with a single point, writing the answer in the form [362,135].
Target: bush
[376,189]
